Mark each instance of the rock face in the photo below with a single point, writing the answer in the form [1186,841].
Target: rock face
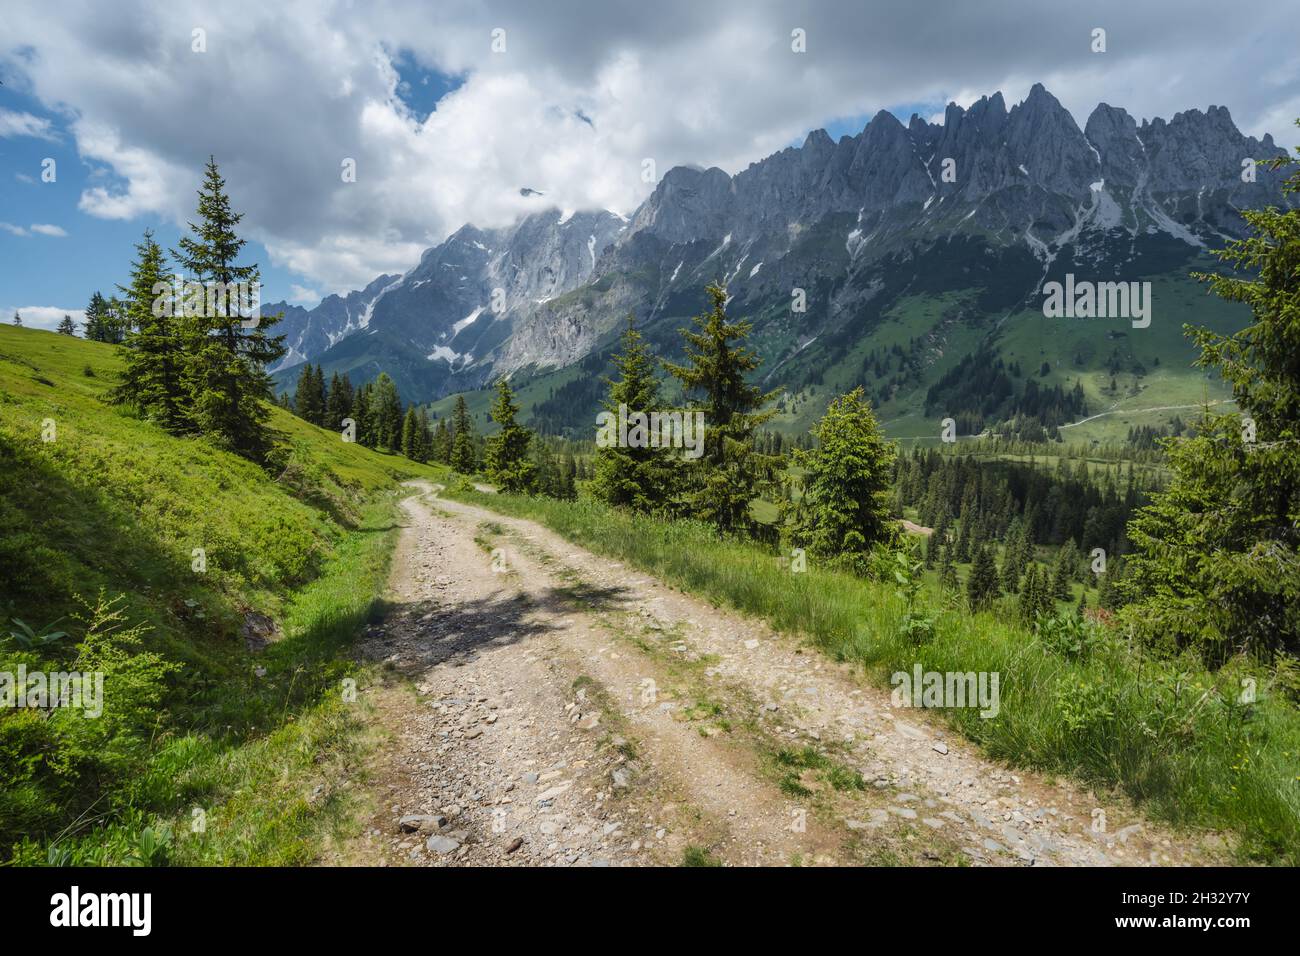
[1025,182]
[309,332]
[441,322]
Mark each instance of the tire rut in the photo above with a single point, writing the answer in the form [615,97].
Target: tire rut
[572,711]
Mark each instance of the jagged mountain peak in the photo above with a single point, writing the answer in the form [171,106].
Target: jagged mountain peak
[818,139]
[309,332]
[1022,180]
[1039,98]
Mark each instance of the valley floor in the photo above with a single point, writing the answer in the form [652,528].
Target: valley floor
[547,706]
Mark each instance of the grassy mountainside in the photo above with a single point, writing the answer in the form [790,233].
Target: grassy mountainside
[901,345]
[104,520]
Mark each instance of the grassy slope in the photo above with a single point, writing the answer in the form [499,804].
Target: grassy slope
[1076,350]
[1148,728]
[114,503]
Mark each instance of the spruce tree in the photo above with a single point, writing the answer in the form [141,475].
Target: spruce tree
[18,319]
[1010,575]
[118,322]
[547,481]
[441,451]
[731,474]
[982,587]
[1108,595]
[67,326]
[1217,560]
[361,416]
[322,395]
[962,552]
[331,393]
[97,319]
[386,414]
[424,440]
[568,477]
[1029,600]
[506,460]
[463,456]
[947,570]
[1036,596]
[1064,572]
[306,397]
[225,369]
[411,434]
[154,354]
[847,475]
[641,477]
[338,405]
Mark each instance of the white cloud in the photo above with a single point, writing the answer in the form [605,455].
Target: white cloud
[36,229]
[153,184]
[41,316]
[283,95]
[342,263]
[13,123]
[298,293]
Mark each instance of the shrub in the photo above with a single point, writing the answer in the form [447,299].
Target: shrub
[1068,635]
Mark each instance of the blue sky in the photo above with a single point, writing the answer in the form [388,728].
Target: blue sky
[853,125]
[419,88]
[95,254]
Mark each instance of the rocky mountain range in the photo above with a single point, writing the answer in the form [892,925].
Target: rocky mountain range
[981,208]
[309,332]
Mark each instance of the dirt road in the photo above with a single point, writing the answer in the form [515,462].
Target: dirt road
[547,706]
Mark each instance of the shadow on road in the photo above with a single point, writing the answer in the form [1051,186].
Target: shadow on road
[422,634]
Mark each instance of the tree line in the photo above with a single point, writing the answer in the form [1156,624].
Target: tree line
[993,498]
[372,414]
[980,391]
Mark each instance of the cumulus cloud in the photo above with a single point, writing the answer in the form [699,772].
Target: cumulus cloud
[298,293]
[572,101]
[36,229]
[13,123]
[41,316]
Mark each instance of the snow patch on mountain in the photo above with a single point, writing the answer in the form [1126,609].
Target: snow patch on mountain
[466,322]
[446,354]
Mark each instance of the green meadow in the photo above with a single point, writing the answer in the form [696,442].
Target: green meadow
[147,553]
